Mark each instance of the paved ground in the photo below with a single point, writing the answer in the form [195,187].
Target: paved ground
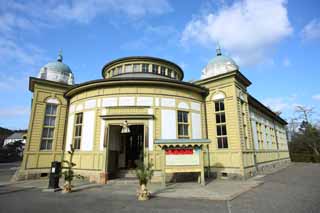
[294,189]
[7,170]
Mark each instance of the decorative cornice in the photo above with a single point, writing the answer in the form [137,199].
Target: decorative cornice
[237,74]
[33,81]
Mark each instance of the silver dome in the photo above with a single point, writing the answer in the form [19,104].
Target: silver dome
[219,65]
[57,71]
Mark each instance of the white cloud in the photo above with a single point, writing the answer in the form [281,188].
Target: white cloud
[312,30]
[32,16]
[43,12]
[286,104]
[11,51]
[316,97]
[247,29]
[277,104]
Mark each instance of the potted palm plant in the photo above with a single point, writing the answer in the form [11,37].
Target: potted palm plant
[68,172]
[144,174]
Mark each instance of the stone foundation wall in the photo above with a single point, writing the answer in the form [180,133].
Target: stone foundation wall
[30,174]
[270,167]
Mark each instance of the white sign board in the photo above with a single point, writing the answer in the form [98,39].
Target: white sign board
[183,157]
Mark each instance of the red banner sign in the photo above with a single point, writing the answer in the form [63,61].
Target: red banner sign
[179,151]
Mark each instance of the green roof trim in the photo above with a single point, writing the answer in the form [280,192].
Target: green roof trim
[174,141]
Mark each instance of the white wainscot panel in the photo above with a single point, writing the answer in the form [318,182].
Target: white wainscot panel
[69,132]
[150,135]
[157,101]
[79,108]
[150,111]
[88,131]
[196,125]
[144,101]
[183,105]
[102,129]
[90,104]
[126,101]
[72,108]
[168,124]
[168,102]
[255,135]
[109,102]
[195,106]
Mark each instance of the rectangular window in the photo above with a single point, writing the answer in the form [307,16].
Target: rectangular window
[170,73]
[221,126]
[48,127]
[78,131]
[220,117]
[136,68]
[128,68]
[162,71]
[119,70]
[155,68]
[145,67]
[219,106]
[183,124]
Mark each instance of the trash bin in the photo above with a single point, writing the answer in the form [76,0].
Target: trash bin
[54,175]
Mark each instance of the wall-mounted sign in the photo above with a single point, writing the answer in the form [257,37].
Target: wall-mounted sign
[183,157]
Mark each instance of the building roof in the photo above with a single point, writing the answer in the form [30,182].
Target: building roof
[257,104]
[133,81]
[17,135]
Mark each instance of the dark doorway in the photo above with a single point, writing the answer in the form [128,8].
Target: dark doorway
[134,146]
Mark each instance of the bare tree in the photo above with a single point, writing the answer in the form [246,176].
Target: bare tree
[305,112]
[308,133]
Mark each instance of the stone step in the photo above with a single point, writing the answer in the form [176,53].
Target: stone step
[127,174]
[123,181]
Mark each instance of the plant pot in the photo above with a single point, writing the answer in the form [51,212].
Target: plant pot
[143,193]
[67,188]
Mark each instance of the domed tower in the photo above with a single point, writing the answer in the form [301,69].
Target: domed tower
[219,65]
[57,71]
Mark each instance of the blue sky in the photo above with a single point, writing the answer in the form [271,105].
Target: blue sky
[275,42]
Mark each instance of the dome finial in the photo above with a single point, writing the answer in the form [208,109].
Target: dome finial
[218,49]
[60,57]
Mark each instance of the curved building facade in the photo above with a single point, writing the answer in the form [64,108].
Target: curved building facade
[142,110]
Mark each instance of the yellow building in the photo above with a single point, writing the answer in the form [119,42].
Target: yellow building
[143,110]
